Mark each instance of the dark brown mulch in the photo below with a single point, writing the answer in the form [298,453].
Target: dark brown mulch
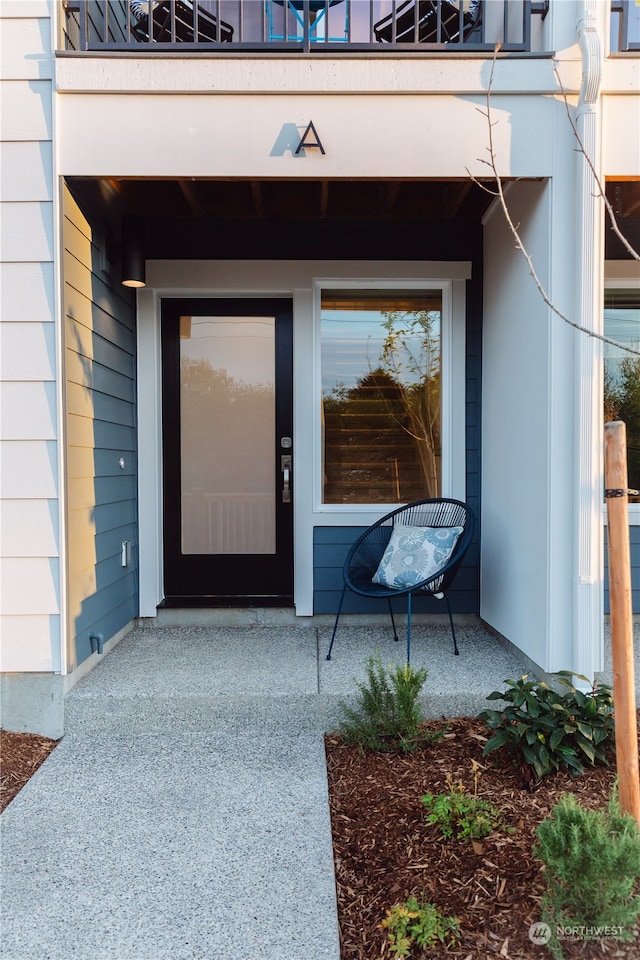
[385,850]
[20,756]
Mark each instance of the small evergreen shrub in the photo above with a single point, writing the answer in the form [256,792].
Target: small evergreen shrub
[387,716]
[416,923]
[550,729]
[592,866]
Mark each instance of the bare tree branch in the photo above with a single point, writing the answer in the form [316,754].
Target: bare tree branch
[601,192]
[499,192]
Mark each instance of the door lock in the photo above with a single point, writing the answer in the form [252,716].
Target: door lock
[285,466]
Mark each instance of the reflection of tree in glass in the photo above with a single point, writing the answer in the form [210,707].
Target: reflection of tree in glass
[382,436]
[223,423]
[411,357]
[622,402]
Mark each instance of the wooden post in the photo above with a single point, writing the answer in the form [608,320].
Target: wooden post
[624,695]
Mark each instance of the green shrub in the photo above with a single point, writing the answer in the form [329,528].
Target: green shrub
[550,730]
[416,923]
[592,864]
[388,715]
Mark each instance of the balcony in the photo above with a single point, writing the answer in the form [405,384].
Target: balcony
[332,27]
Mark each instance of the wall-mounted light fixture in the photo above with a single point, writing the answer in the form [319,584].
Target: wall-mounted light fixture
[133,261]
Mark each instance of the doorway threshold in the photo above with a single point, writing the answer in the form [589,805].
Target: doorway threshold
[216,602]
[228,616]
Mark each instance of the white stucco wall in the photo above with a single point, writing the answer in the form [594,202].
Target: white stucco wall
[30,580]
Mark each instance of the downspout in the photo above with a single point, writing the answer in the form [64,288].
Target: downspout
[588,387]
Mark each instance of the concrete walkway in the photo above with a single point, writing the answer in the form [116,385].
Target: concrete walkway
[184,815]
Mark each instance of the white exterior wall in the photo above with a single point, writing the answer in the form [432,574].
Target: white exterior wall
[30,581]
[527,433]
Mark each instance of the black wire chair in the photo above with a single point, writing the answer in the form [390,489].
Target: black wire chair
[365,555]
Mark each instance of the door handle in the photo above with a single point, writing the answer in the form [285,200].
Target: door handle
[285,466]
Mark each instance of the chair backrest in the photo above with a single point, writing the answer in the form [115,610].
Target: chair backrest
[364,556]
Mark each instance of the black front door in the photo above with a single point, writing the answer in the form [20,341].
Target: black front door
[227,451]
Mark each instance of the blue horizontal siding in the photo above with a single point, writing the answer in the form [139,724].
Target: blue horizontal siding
[108,622]
[330,548]
[634,545]
[101,349]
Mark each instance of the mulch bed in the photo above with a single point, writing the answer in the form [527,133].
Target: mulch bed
[20,756]
[385,850]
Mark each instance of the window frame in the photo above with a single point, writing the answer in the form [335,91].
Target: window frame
[452,363]
[620,283]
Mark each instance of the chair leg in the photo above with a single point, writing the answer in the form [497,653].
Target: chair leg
[393,623]
[335,626]
[455,645]
[408,629]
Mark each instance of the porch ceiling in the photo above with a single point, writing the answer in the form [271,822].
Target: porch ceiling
[190,204]
[299,199]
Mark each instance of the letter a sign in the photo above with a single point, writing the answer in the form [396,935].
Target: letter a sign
[306,144]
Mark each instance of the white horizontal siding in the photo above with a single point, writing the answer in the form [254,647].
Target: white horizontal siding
[26,110]
[29,470]
[30,643]
[27,351]
[26,231]
[30,628]
[25,47]
[27,411]
[29,586]
[26,292]
[26,171]
[28,528]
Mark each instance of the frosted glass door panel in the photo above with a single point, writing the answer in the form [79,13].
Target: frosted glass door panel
[227,435]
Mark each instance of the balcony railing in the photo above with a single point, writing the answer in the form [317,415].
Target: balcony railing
[307,26]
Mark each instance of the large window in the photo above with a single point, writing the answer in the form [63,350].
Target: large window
[381,376]
[622,372]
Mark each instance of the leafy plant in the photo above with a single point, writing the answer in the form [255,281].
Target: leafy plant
[462,815]
[550,729]
[416,923]
[388,715]
[592,864]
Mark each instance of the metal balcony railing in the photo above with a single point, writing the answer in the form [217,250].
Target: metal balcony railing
[307,26]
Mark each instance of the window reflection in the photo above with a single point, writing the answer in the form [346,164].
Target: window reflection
[381,396]
[622,373]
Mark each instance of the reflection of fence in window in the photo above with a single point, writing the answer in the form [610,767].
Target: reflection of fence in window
[622,373]
[228,523]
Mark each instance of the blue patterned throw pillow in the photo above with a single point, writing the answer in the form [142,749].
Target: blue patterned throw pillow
[414,554]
